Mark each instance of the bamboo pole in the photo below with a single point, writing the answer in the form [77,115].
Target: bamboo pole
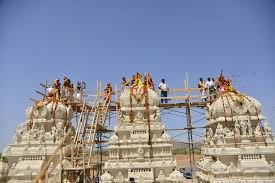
[43,171]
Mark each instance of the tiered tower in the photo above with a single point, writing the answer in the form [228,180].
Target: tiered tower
[140,150]
[35,141]
[238,144]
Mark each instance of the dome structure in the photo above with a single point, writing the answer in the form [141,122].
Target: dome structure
[232,104]
[176,176]
[240,140]
[138,98]
[107,177]
[36,140]
[48,110]
[133,155]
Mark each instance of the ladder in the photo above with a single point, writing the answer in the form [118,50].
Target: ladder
[98,122]
[91,121]
[87,114]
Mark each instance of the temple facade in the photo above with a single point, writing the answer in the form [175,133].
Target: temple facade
[140,150]
[238,143]
[35,140]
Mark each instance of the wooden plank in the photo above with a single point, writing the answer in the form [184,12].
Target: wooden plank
[175,90]
[184,104]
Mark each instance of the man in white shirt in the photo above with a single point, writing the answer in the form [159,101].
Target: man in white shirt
[50,90]
[209,86]
[164,90]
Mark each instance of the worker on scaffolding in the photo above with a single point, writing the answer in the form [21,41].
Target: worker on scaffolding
[148,81]
[71,91]
[137,84]
[56,86]
[137,80]
[80,89]
[210,88]
[201,88]
[107,92]
[164,91]
[50,90]
[65,87]
[124,83]
[132,80]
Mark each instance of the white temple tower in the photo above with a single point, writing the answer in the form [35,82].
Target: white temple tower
[35,141]
[140,150]
[238,145]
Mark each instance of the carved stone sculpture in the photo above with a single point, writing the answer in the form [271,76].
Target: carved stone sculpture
[246,156]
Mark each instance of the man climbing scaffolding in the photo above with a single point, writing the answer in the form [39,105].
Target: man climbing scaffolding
[107,92]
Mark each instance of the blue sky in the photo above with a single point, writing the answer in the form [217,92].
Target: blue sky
[104,40]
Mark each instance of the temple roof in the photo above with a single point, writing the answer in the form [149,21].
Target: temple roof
[138,97]
[230,104]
